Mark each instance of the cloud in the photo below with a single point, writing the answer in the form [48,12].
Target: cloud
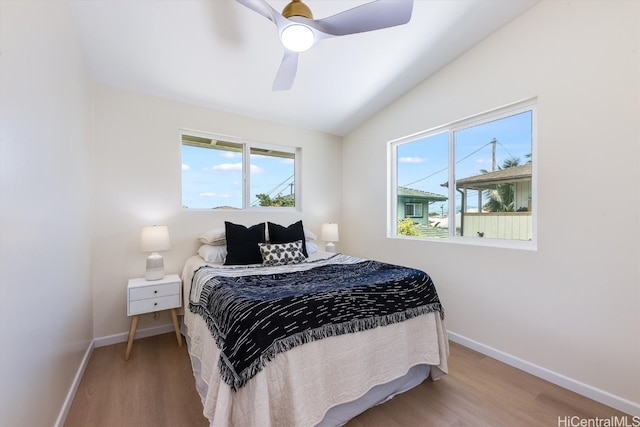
[226,167]
[209,194]
[411,160]
[185,167]
[234,167]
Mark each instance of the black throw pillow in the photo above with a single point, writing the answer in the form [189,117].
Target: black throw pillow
[242,243]
[292,233]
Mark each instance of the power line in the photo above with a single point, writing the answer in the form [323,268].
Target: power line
[278,188]
[444,169]
[505,149]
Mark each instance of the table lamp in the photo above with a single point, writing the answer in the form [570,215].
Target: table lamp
[329,234]
[154,239]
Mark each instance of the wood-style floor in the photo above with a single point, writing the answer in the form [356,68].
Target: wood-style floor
[156,388]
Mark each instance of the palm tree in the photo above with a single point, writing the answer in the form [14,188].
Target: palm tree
[501,198]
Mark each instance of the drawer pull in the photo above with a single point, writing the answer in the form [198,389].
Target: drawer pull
[155,292]
[155,303]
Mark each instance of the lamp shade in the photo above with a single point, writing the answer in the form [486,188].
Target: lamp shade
[155,238]
[329,233]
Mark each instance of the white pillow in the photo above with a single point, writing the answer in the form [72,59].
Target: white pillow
[217,237]
[311,247]
[211,253]
[214,237]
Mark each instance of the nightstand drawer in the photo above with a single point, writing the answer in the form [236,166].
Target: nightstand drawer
[154,304]
[154,291]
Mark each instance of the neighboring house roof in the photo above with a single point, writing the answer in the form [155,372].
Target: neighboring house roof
[490,179]
[419,194]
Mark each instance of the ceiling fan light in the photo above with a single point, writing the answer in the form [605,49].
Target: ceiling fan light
[297,37]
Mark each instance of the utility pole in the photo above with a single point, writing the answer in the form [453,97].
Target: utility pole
[493,154]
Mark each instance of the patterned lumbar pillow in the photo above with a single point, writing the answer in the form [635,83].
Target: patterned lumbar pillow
[282,253]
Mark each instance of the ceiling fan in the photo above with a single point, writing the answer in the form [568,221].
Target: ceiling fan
[299,31]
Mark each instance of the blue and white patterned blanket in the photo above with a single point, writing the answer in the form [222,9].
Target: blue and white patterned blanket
[254,313]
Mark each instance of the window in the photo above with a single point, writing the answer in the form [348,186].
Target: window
[489,161]
[272,178]
[224,172]
[413,210]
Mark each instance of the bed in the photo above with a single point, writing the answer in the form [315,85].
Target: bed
[314,374]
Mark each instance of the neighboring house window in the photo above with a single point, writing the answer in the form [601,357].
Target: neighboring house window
[413,210]
[227,173]
[489,159]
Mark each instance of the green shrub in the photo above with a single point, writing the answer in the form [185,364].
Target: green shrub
[406,227]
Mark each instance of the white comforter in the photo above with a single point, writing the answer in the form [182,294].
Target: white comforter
[298,387]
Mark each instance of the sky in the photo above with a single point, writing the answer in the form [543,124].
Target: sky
[423,164]
[213,178]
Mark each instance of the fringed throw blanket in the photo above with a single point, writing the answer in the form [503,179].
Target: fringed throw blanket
[256,313]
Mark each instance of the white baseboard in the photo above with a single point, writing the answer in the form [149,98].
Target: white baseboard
[101,342]
[62,416]
[140,333]
[604,397]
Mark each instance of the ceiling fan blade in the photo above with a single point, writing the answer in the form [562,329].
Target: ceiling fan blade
[367,17]
[263,8]
[287,71]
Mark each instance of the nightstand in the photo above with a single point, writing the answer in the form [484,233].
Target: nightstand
[148,296]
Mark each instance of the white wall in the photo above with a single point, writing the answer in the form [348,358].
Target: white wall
[137,173]
[45,302]
[574,310]
[573,306]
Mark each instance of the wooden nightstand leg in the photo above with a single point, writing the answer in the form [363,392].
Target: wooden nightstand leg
[132,333]
[174,317]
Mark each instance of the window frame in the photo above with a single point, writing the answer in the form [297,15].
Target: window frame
[247,146]
[414,205]
[450,129]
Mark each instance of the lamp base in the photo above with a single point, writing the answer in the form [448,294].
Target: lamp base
[155,267]
[330,247]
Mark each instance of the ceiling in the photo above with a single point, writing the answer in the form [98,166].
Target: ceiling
[221,54]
